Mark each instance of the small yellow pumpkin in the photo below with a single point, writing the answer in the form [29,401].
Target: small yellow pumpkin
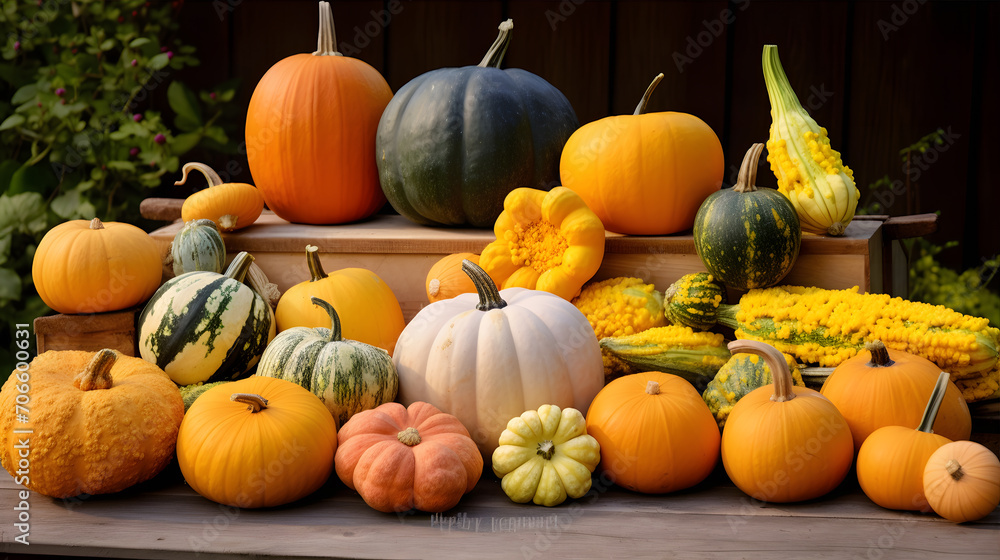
[446,280]
[231,206]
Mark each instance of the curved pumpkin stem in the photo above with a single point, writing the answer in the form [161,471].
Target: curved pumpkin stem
[934,403]
[489,295]
[334,318]
[316,272]
[210,175]
[255,403]
[641,107]
[880,354]
[746,182]
[782,378]
[238,268]
[494,56]
[97,374]
[326,42]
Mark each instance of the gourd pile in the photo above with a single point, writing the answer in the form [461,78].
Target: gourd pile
[521,361]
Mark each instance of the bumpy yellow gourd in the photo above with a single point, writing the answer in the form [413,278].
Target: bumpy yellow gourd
[621,306]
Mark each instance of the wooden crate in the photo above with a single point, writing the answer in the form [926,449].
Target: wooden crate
[401,253]
[91,332]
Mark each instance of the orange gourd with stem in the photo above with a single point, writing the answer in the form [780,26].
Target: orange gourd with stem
[962,481]
[231,206]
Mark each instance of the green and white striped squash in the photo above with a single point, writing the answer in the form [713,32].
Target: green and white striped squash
[198,246]
[347,375]
[206,327]
[693,301]
[747,237]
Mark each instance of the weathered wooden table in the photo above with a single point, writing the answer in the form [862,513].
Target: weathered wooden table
[164,518]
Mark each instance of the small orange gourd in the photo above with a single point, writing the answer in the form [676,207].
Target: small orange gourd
[446,280]
[892,459]
[962,481]
[231,206]
[656,433]
[784,443]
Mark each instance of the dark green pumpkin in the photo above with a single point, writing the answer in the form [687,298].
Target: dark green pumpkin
[694,300]
[453,142]
[747,237]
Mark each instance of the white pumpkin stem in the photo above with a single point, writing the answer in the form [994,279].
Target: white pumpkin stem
[489,295]
[409,436]
[494,56]
[334,318]
[326,42]
[652,388]
[747,178]
[954,469]
[210,175]
[641,107]
[546,449]
[97,374]
[255,403]
[781,377]
[934,404]
[96,223]
[880,354]
[238,268]
[316,272]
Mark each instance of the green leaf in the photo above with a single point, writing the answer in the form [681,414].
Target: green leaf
[183,143]
[184,102]
[24,212]
[7,170]
[36,178]
[24,94]
[136,43]
[186,124]
[108,44]
[218,134]
[10,284]
[12,121]
[159,61]
[121,165]
[66,205]
[5,242]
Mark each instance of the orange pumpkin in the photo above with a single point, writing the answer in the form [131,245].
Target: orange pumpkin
[400,458]
[310,134]
[884,387]
[656,433]
[784,443]
[369,310]
[962,481]
[446,280]
[231,206]
[92,267]
[644,174]
[892,459]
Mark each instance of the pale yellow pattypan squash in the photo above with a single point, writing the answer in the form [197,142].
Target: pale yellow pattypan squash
[546,456]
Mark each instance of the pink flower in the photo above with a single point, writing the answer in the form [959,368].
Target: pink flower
[137,117]
[160,138]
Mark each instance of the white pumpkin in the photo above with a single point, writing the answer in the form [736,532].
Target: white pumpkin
[519,350]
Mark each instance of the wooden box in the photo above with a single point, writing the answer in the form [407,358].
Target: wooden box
[401,253]
[90,332]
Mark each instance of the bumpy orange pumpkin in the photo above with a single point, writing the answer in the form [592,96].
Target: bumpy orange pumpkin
[656,433]
[98,422]
[884,387]
[369,310]
[231,206]
[91,267]
[962,481]
[310,134]
[644,174]
[399,458]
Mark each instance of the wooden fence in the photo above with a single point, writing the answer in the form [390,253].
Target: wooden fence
[877,75]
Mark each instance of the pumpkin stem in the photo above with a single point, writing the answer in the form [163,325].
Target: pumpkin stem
[326,43]
[409,436]
[238,268]
[641,107]
[316,272]
[334,318]
[96,223]
[652,388]
[748,171]
[97,374]
[489,295]
[255,403]
[433,287]
[782,378]
[546,449]
[954,469]
[210,175]
[880,354]
[934,403]
[494,56]
[228,222]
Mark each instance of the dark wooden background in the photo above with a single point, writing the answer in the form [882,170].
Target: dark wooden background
[877,75]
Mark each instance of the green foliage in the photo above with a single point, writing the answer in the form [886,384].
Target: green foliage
[885,189]
[967,293]
[77,139]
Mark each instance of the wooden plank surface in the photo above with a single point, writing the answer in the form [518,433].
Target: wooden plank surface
[165,519]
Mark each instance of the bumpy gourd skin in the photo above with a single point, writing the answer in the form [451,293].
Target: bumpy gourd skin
[546,456]
[621,306]
[97,441]
[739,376]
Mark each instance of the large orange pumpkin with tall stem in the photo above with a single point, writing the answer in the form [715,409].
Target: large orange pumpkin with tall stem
[645,173]
[310,134]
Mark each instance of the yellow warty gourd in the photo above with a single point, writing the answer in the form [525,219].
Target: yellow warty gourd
[809,171]
[621,306]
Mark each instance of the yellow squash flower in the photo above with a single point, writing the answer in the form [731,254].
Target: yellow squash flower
[549,241]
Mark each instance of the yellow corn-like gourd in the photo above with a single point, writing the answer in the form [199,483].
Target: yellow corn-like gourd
[809,171]
[621,306]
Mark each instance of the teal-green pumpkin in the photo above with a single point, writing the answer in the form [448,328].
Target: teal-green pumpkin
[693,301]
[205,327]
[347,375]
[747,237]
[453,142]
[198,246]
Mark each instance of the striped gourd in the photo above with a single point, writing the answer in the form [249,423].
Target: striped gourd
[204,327]
[347,375]
[694,300]
[739,376]
[695,356]
[198,246]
